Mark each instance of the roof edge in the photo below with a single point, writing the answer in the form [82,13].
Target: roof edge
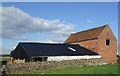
[103,29]
[90,29]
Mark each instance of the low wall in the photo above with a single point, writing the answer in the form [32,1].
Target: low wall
[32,66]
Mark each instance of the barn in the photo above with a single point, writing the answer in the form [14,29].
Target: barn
[100,40]
[51,52]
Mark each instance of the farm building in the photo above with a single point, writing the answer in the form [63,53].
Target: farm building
[93,43]
[51,52]
[100,40]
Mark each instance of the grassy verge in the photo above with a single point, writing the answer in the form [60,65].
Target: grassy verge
[102,69]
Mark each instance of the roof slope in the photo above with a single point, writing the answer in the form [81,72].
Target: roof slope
[85,35]
[45,49]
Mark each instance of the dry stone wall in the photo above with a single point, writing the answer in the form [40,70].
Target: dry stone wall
[32,66]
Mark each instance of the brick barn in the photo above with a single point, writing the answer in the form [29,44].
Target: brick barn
[100,40]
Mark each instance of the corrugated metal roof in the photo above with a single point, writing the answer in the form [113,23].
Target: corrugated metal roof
[85,35]
[47,49]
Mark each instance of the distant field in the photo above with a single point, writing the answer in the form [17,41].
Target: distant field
[4,58]
[102,69]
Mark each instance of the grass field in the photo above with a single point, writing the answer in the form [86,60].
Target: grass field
[102,69]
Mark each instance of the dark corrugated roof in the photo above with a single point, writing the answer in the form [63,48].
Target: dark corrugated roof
[85,35]
[46,49]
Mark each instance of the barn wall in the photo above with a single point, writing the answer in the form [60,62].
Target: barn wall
[19,61]
[60,58]
[108,52]
[89,44]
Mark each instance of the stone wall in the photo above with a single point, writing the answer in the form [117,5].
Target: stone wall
[32,66]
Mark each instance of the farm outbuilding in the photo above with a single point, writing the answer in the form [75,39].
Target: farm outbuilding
[100,40]
[51,52]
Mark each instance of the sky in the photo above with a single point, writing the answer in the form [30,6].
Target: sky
[53,22]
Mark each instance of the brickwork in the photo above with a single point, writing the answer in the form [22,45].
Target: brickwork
[90,44]
[108,52]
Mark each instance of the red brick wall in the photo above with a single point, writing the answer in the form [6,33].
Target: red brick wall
[90,44]
[108,52]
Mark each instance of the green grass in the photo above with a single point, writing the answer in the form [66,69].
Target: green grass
[102,69]
[4,58]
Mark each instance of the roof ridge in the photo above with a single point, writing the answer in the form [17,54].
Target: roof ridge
[45,43]
[85,34]
[91,29]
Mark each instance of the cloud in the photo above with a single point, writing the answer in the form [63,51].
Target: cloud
[16,23]
[90,21]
